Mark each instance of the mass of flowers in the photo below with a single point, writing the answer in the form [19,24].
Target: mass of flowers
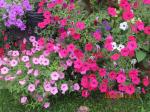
[14,12]
[100,53]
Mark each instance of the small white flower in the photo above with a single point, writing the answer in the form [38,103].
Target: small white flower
[120,47]
[133,61]
[123,26]
[114,45]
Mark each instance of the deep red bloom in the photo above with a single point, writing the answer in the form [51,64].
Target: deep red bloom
[147,30]
[1,52]
[85,93]
[88,47]
[76,36]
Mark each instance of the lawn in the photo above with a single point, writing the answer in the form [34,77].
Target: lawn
[70,103]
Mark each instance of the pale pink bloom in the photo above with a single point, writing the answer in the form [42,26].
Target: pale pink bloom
[9,53]
[52,82]
[54,90]
[64,88]
[35,43]
[13,63]
[69,62]
[35,61]
[47,87]
[37,82]
[61,75]
[36,73]
[22,82]
[46,105]
[19,72]
[23,100]
[76,87]
[28,65]
[24,40]
[1,62]
[29,53]
[31,88]
[4,70]
[15,53]
[45,62]
[25,58]
[30,71]
[32,39]
[5,59]
[9,78]
[54,76]
[46,53]
[33,50]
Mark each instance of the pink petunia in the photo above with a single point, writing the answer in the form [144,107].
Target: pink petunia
[36,73]
[132,45]
[35,61]
[102,72]
[69,62]
[85,93]
[146,2]
[54,76]
[115,57]
[112,11]
[22,82]
[88,47]
[23,100]
[15,53]
[93,84]
[84,82]
[63,22]
[147,30]
[97,36]
[146,81]
[80,25]
[54,90]
[45,62]
[125,52]
[76,87]
[121,78]
[76,36]
[140,25]
[127,15]
[133,73]
[63,53]
[13,63]
[46,105]
[4,70]
[31,87]
[130,89]
[47,87]
[103,88]
[112,75]
[51,5]
[121,87]
[64,87]
[25,58]
[135,80]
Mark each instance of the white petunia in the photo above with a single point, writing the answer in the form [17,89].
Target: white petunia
[123,26]
[120,47]
[114,45]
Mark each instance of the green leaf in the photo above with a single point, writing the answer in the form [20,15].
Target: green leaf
[140,55]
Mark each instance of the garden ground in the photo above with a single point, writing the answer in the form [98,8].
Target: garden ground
[70,103]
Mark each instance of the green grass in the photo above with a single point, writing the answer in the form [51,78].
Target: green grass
[96,103]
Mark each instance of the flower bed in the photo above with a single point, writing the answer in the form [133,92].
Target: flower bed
[100,53]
